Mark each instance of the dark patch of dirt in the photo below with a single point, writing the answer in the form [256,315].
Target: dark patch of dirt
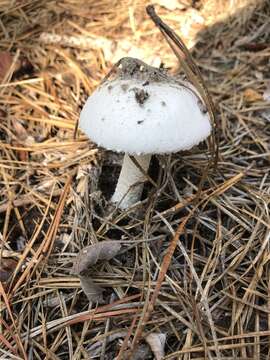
[108,179]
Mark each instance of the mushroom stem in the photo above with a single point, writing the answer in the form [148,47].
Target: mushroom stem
[130,183]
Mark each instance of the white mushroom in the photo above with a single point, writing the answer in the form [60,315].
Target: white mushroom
[141,112]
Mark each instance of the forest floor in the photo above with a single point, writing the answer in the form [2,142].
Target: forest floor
[210,299]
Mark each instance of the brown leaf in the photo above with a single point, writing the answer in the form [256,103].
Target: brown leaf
[90,255]
[23,155]
[19,130]
[5,63]
[252,95]
[91,290]
[6,269]
[23,139]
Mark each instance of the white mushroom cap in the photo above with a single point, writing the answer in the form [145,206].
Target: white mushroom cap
[141,117]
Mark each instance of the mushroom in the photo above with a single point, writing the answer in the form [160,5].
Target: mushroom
[143,111]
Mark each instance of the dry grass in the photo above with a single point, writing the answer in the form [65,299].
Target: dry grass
[213,300]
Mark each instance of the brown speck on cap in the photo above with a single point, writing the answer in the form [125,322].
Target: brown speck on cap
[124,87]
[141,95]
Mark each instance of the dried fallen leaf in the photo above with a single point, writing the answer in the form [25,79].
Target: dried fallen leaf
[90,255]
[5,63]
[19,130]
[252,95]
[91,290]
[156,341]
[23,138]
